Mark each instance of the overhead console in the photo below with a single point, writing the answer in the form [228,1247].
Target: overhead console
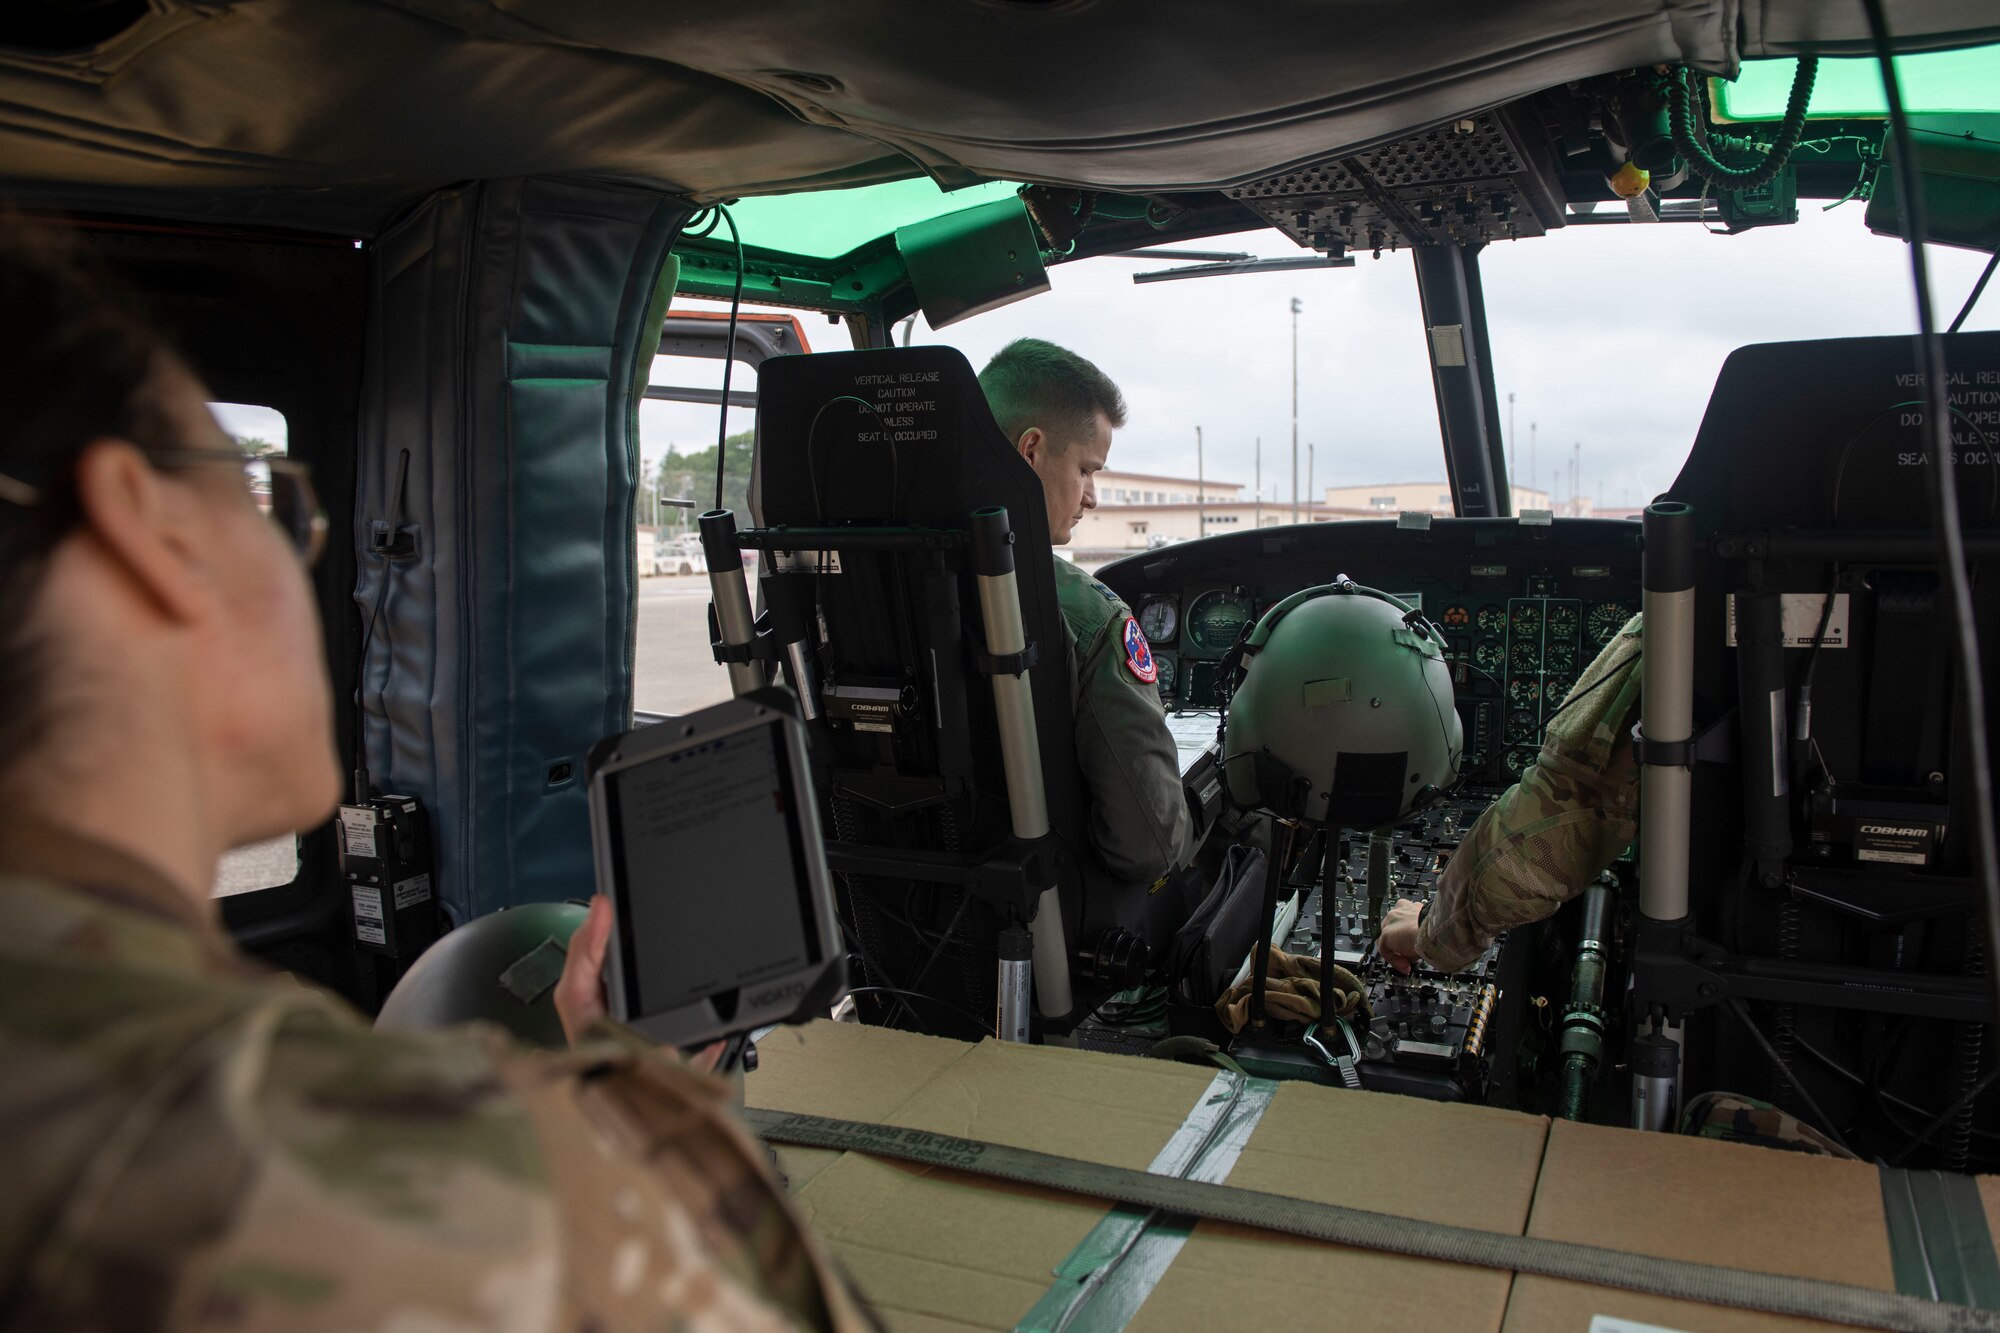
[1479,178]
[1524,607]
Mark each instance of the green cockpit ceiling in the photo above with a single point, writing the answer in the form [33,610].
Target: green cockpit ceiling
[1933,83]
[837,249]
[830,223]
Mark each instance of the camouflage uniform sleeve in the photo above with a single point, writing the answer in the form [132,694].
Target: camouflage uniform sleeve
[275,1165]
[1554,831]
[1140,827]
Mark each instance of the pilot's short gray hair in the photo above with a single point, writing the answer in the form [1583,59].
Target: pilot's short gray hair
[1030,382]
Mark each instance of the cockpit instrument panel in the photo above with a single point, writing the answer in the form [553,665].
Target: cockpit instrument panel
[1214,619]
[1161,620]
[1523,608]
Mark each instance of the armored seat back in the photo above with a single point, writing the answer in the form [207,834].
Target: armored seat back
[889,453]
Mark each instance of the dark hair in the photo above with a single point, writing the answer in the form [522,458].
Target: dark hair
[77,363]
[1034,383]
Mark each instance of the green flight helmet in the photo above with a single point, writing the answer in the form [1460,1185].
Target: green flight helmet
[1342,711]
[499,968]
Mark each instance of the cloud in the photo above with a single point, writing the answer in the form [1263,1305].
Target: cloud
[1607,336]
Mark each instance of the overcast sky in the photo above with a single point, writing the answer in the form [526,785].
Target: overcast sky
[1608,336]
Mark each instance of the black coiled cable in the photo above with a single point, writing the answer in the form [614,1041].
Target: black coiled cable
[1681,91]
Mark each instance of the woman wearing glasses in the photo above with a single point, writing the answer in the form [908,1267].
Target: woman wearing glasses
[186,1141]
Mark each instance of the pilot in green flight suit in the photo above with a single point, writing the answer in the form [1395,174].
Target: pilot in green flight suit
[1059,411]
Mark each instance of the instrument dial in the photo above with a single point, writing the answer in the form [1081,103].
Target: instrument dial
[1488,655]
[1520,727]
[1563,620]
[1518,760]
[1457,617]
[1556,688]
[1524,691]
[1492,620]
[1560,659]
[1214,619]
[1161,619]
[1527,619]
[1164,665]
[1606,619]
[1524,658]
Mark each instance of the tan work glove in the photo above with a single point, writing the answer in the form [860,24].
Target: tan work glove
[1298,988]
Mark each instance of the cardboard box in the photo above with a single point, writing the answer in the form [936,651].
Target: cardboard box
[1728,1204]
[937,1250]
[842,1070]
[1470,1166]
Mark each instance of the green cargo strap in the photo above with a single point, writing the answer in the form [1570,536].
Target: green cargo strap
[1112,1271]
[1766,1293]
[1939,1244]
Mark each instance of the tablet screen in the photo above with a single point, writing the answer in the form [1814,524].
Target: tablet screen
[710,862]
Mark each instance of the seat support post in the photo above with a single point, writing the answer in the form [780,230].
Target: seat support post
[736,627]
[1020,753]
[1666,724]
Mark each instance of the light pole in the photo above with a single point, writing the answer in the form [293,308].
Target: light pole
[1510,441]
[1296,307]
[1200,488]
[1309,479]
[1260,482]
[1531,455]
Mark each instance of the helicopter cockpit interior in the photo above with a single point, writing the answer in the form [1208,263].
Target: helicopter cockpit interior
[455,301]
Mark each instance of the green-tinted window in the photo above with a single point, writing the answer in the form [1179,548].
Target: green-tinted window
[827,223]
[1935,82]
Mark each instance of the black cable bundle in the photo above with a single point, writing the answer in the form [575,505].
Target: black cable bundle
[1684,86]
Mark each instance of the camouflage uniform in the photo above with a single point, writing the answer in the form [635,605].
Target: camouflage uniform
[1554,831]
[1734,1118]
[1140,827]
[189,1142]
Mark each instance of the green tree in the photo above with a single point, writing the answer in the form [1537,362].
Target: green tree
[692,476]
[256,446]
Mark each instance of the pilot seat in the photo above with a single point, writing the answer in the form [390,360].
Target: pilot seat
[870,468]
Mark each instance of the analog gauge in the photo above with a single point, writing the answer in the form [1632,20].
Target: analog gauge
[1160,619]
[1527,618]
[1214,619]
[1520,727]
[1492,620]
[1563,620]
[1457,617]
[1524,691]
[1606,619]
[1524,658]
[1556,688]
[1165,666]
[1560,659]
[1487,655]
[1518,760]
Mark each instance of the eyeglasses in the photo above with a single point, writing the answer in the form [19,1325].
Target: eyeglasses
[281,487]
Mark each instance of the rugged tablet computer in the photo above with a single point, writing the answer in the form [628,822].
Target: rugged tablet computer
[707,841]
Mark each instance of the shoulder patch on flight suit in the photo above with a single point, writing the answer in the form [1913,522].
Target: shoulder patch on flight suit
[1139,653]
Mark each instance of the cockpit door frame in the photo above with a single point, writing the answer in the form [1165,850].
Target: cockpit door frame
[1454,306]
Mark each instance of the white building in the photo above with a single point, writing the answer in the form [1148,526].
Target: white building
[1145,488]
[1388,498]
[1137,511]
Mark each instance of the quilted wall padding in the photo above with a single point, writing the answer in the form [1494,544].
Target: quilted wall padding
[513,324]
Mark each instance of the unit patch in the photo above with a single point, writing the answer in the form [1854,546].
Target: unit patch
[1139,653]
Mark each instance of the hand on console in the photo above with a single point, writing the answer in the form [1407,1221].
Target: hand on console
[1397,942]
